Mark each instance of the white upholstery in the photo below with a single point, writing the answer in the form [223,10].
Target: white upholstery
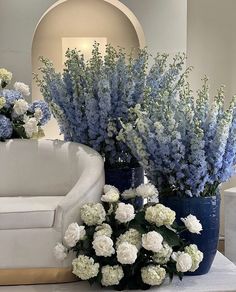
[42,187]
[28,212]
[39,168]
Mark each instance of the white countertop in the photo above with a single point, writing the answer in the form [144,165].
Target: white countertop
[231,191]
[221,278]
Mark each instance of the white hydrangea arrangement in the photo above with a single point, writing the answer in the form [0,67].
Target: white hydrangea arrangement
[18,118]
[125,246]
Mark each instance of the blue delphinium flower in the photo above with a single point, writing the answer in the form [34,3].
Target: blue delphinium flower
[228,160]
[187,147]
[94,96]
[5,127]
[43,106]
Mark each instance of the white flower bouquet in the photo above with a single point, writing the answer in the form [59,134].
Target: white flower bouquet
[18,118]
[127,246]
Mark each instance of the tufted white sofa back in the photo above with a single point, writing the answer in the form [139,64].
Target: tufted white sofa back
[41,168]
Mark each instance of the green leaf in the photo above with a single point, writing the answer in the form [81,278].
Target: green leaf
[169,236]
[139,218]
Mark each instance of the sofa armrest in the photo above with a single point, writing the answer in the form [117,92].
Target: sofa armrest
[87,189]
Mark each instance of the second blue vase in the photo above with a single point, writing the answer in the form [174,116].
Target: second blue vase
[207,210]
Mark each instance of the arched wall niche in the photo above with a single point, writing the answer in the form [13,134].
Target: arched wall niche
[109,19]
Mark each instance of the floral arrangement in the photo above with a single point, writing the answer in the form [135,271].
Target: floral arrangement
[129,247]
[18,118]
[89,98]
[187,145]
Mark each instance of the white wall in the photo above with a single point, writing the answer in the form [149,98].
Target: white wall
[164,23]
[211,43]
[18,19]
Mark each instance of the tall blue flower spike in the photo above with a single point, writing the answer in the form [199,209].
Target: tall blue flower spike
[186,145]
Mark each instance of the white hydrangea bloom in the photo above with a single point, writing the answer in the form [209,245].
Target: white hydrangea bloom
[111,196]
[160,215]
[126,253]
[93,214]
[146,190]
[111,129]
[129,194]
[131,236]
[85,268]
[153,275]
[196,255]
[60,252]
[124,212]
[111,275]
[73,234]
[183,261]
[192,224]
[31,127]
[152,241]
[5,76]
[22,88]
[103,229]
[103,246]
[108,188]
[20,107]
[163,255]
[2,102]
[38,114]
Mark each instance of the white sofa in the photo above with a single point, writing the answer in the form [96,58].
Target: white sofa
[42,186]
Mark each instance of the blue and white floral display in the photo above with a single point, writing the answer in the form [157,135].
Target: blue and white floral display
[89,98]
[186,145]
[18,118]
[126,247]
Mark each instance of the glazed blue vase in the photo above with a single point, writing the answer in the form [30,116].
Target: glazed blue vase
[124,178]
[207,210]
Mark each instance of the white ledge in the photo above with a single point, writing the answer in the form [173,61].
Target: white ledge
[221,278]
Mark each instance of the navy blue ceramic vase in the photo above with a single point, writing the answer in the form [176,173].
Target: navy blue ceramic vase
[125,177]
[207,210]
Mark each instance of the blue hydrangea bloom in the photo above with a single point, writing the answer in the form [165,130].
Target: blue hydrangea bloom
[11,96]
[46,114]
[5,127]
